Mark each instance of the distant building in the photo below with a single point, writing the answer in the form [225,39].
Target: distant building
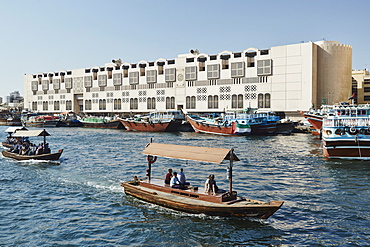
[282,78]
[14,99]
[1,100]
[361,81]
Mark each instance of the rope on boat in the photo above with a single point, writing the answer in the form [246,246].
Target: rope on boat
[358,145]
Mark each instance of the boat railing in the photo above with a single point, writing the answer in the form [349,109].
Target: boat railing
[350,121]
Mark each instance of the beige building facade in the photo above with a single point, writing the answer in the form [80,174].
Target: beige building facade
[361,86]
[282,78]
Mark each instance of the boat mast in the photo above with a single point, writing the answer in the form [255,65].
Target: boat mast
[231,171]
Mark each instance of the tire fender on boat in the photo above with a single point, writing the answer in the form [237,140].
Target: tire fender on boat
[353,131]
[338,132]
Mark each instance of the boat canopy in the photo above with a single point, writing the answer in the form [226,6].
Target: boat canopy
[14,129]
[27,133]
[212,155]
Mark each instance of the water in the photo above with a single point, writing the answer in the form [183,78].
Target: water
[80,201]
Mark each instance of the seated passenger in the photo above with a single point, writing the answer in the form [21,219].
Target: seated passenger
[168,176]
[210,185]
[182,177]
[175,183]
[40,149]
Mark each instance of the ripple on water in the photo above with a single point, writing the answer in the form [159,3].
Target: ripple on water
[80,202]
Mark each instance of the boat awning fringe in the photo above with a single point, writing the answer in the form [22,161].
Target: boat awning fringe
[20,133]
[206,154]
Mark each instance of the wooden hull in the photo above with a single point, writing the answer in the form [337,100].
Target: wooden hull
[116,124]
[7,145]
[41,124]
[198,203]
[201,127]
[51,156]
[144,126]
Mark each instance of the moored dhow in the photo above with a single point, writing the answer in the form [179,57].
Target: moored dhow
[192,199]
[219,126]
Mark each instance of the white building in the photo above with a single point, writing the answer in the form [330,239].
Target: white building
[283,79]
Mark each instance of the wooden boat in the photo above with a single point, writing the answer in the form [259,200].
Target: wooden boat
[32,133]
[222,127]
[192,199]
[51,156]
[42,121]
[11,131]
[140,124]
[69,119]
[158,121]
[101,123]
[261,123]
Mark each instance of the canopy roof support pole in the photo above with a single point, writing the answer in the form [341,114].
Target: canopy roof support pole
[231,171]
[44,140]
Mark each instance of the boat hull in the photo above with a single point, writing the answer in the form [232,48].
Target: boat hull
[203,127]
[187,201]
[115,124]
[7,145]
[51,156]
[133,125]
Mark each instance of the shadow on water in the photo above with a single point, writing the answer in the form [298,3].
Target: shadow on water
[195,230]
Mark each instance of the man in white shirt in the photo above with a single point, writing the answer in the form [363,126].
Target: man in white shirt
[182,177]
[175,183]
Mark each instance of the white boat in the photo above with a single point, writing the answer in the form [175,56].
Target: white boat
[346,134]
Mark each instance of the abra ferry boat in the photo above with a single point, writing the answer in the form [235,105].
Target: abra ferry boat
[192,199]
[46,155]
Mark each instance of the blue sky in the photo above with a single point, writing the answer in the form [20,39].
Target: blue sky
[49,35]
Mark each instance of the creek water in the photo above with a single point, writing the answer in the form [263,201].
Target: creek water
[78,201]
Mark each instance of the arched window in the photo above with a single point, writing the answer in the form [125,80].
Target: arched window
[240,101]
[187,102]
[56,106]
[150,103]
[45,105]
[172,102]
[215,102]
[210,102]
[193,102]
[234,101]
[88,104]
[267,100]
[260,100]
[133,104]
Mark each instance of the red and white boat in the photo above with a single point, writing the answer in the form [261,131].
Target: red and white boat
[222,127]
